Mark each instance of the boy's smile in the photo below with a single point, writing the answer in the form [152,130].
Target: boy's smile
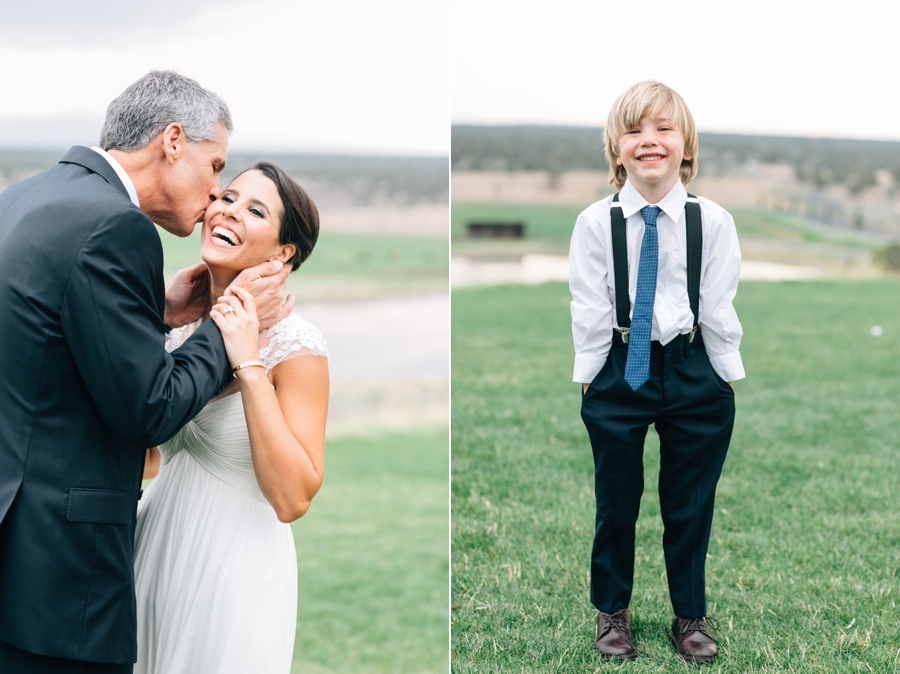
[652,152]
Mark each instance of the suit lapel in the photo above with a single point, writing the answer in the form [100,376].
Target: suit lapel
[93,161]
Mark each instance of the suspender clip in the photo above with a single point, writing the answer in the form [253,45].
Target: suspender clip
[624,332]
[694,331]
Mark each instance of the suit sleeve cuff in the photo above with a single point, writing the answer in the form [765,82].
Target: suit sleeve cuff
[728,366]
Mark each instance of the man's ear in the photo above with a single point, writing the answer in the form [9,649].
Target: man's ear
[173,142]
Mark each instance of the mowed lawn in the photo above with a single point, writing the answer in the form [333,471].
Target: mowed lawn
[372,557]
[803,563]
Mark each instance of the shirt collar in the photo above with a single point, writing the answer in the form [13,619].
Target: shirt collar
[117,167]
[672,204]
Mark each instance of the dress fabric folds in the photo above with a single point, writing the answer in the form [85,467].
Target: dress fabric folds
[215,570]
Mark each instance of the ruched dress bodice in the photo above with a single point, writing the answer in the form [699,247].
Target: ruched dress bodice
[218,441]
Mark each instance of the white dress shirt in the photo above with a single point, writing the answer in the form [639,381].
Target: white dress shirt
[117,167]
[593,285]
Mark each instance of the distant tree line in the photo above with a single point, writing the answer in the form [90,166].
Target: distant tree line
[816,161]
[361,179]
[368,179]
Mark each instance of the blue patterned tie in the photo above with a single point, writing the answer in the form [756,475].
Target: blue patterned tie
[637,367]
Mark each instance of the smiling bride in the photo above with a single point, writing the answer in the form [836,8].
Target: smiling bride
[215,564]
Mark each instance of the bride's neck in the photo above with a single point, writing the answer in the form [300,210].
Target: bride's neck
[219,280]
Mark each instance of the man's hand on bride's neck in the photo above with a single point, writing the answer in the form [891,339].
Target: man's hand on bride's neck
[267,282]
[187,296]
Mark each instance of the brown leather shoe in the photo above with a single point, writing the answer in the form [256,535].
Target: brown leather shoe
[614,635]
[693,641]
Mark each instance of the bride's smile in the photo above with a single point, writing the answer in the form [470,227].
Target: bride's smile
[241,228]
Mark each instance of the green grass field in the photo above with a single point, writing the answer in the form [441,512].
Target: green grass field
[549,227]
[805,550]
[348,266]
[373,559]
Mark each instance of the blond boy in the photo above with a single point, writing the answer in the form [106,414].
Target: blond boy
[653,275]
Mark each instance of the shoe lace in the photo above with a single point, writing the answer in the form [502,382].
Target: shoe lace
[618,620]
[699,625]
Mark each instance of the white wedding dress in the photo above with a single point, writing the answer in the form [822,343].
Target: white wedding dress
[215,571]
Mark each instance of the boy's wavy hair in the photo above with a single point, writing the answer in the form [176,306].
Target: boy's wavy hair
[648,99]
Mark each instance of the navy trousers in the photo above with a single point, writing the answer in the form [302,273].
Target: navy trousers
[693,410]
[15,660]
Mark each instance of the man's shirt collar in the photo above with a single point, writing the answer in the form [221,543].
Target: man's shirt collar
[123,176]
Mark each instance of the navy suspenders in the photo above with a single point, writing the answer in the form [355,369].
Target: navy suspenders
[620,267]
[694,232]
[693,225]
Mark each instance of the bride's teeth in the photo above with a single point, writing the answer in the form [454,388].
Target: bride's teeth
[225,235]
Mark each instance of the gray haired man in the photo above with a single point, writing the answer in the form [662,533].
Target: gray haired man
[87,385]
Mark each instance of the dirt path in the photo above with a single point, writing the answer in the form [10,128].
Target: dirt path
[533,269]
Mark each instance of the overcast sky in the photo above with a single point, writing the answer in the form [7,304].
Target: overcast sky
[780,67]
[350,76]
[360,76]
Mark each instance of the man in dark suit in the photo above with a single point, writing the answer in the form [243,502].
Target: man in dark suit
[85,383]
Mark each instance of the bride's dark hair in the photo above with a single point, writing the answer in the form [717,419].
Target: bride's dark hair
[300,221]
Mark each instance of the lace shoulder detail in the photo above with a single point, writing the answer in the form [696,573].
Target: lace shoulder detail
[292,336]
[179,336]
